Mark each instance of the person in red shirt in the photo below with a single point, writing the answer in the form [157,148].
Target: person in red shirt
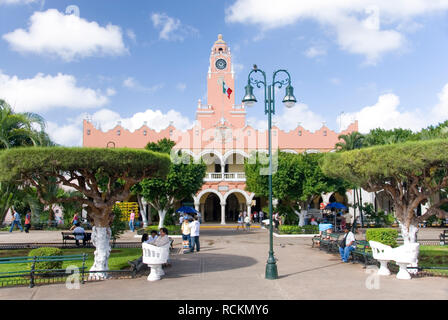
[27,221]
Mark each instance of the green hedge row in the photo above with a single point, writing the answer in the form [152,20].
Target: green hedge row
[385,236]
[285,229]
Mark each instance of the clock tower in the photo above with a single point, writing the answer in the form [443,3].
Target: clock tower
[221,108]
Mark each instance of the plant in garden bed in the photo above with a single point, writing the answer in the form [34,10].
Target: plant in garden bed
[385,236]
[172,230]
[47,265]
[285,229]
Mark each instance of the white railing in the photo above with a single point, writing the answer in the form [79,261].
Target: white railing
[230,176]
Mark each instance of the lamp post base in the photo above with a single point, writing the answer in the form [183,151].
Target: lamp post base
[271,269]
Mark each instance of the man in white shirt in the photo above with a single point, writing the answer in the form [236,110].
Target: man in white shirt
[347,245]
[194,234]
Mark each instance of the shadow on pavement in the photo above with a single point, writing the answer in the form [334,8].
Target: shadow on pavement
[308,270]
[202,263]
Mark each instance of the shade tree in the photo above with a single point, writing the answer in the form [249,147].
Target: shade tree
[412,173]
[101,176]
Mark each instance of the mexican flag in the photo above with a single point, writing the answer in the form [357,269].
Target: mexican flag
[226,90]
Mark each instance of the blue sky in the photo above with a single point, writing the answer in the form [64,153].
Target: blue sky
[379,62]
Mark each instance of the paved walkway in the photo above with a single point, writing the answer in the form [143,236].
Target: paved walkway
[128,236]
[231,265]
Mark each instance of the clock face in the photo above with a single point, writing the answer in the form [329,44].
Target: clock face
[221,64]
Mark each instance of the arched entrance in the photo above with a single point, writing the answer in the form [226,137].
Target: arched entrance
[212,208]
[233,208]
[337,197]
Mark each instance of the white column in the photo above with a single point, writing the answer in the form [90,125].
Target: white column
[249,209]
[223,213]
[196,206]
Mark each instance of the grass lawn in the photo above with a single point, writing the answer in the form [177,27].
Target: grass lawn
[434,256]
[118,259]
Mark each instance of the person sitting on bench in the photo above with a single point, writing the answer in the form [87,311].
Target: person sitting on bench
[80,234]
[162,239]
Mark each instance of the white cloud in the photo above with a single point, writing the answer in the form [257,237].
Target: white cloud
[335,81]
[45,92]
[440,111]
[5,2]
[131,35]
[70,132]
[290,119]
[368,28]
[171,29]
[133,84]
[386,114]
[66,36]
[315,52]
[181,87]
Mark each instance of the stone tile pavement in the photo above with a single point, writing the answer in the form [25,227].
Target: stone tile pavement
[231,265]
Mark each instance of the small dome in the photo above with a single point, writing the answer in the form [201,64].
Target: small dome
[220,39]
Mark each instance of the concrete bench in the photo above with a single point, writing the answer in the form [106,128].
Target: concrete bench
[155,257]
[404,256]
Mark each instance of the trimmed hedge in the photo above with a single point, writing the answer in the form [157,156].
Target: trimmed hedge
[47,252]
[285,229]
[172,230]
[385,236]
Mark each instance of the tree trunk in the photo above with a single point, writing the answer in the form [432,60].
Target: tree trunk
[360,208]
[101,241]
[142,206]
[301,216]
[409,233]
[162,214]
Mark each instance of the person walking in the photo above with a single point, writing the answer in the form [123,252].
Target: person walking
[260,215]
[255,216]
[74,221]
[16,221]
[131,220]
[186,238]
[28,221]
[240,221]
[194,234]
[247,222]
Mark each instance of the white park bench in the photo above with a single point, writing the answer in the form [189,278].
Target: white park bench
[404,256]
[155,257]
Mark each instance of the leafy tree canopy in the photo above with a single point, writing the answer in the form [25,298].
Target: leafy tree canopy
[183,180]
[298,179]
[102,176]
[410,172]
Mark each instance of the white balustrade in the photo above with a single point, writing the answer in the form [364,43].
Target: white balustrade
[228,176]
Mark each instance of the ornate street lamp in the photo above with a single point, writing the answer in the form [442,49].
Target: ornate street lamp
[269,98]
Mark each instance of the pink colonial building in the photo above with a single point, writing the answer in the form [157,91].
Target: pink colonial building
[223,139]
